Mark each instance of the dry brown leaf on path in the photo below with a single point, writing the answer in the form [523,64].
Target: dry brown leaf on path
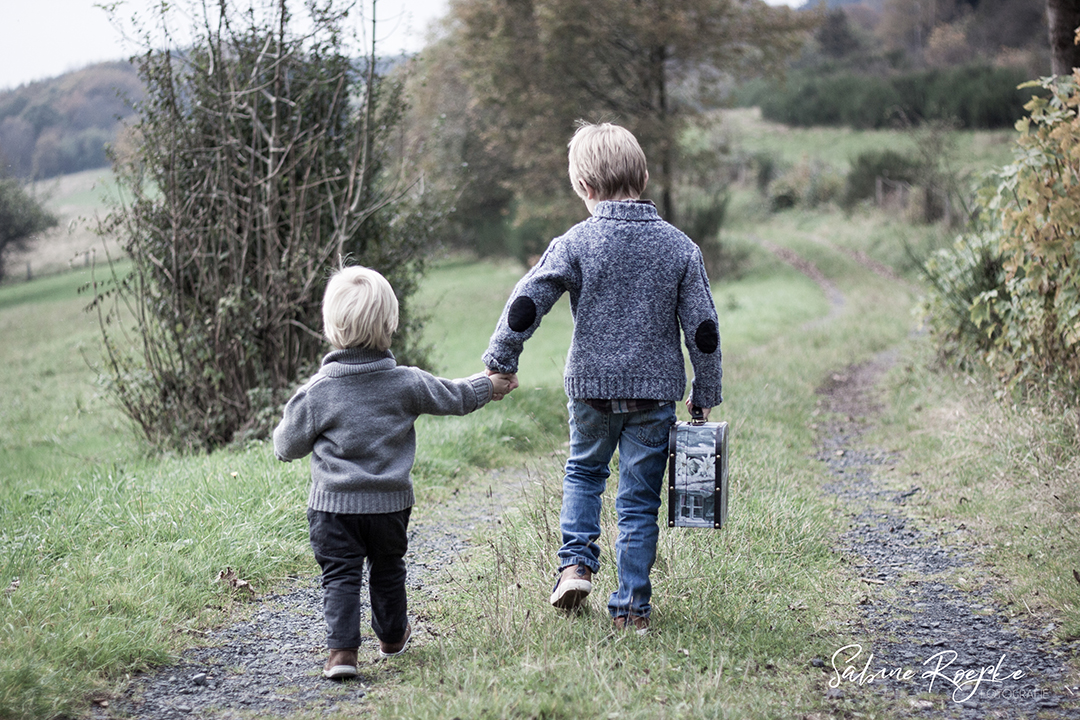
[229,576]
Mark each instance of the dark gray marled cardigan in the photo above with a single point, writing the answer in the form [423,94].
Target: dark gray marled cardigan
[355,417]
[633,281]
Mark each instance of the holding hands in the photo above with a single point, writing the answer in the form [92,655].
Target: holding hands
[502,383]
[704,410]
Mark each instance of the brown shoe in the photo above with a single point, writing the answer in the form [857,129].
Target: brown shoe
[391,649]
[572,587]
[639,623]
[341,664]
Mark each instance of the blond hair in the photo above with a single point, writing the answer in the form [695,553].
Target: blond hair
[609,159]
[359,309]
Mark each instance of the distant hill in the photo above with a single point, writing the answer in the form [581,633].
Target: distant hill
[61,125]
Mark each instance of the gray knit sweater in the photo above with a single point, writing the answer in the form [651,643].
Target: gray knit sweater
[355,417]
[634,281]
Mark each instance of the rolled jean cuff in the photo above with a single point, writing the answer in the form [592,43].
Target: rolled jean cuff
[591,564]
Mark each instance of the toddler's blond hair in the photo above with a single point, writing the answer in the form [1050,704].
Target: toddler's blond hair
[609,159]
[359,309]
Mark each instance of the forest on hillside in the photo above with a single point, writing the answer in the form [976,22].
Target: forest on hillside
[912,33]
[63,125]
[875,64]
[869,63]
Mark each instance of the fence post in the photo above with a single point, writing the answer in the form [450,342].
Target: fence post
[29,274]
[879,190]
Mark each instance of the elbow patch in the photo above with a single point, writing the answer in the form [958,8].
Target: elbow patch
[522,314]
[707,338]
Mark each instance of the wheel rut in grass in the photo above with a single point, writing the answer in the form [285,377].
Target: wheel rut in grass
[833,294]
[917,629]
[271,664]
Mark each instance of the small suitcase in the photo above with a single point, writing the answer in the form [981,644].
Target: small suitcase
[698,474]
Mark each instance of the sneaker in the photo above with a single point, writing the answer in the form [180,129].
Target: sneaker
[341,664]
[639,623]
[391,649]
[572,587]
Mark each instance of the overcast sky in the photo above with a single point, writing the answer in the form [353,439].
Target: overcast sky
[44,38]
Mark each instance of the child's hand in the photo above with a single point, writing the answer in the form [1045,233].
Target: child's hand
[704,411]
[502,384]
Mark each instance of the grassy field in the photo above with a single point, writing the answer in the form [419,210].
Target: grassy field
[738,614]
[116,552]
[77,200]
[973,151]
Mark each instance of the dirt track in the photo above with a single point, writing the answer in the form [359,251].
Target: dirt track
[917,628]
[270,665]
[915,622]
[913,619]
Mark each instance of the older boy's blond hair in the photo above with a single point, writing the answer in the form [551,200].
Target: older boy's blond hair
[359,309]
[609,159]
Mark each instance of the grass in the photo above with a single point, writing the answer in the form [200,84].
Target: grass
[117,553]
[1003,475]
[975,150]
[53,419]
[739,613]
[82,190]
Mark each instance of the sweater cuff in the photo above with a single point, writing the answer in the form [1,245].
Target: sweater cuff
[483,387]
[706,395]
[492,363]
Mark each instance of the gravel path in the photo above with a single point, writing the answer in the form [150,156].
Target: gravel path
[918,629]
[271,664]
[937,650]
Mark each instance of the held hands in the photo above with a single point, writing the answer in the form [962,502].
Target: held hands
[502,383]
[704,411]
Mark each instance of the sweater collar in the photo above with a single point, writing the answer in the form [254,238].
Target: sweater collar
[351,361]
[631,210]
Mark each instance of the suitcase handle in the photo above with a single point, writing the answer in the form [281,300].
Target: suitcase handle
[697,415]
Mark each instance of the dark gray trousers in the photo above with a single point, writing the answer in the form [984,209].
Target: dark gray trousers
[342,543]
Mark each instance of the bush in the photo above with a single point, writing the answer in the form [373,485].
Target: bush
[1011,294]
[702,195]
[249,183]
[971,269]
[809,183]
[976,96]
[21,215]
[702,217]
[861,182]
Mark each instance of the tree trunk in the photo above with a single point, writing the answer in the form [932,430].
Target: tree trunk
[667,149]
[1062,20]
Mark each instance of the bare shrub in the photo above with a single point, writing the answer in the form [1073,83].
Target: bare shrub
[262,157]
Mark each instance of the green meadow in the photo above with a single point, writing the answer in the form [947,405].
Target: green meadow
[110,554]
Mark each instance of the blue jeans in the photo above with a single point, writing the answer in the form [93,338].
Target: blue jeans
[641,438]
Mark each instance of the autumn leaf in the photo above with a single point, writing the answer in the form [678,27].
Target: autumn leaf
[229,576]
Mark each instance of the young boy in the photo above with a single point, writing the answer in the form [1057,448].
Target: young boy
[634,281]
[355,417]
